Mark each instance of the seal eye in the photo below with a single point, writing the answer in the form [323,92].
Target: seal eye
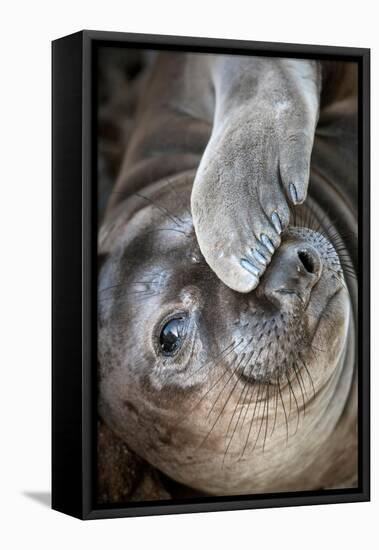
[172,335]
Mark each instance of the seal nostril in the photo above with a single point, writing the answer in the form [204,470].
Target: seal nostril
[306,259]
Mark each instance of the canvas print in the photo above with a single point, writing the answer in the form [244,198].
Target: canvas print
[227,200]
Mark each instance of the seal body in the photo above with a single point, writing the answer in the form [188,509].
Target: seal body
[233,377]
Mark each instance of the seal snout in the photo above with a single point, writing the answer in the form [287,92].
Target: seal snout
[293,273]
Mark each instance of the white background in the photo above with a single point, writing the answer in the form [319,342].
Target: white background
[26,31]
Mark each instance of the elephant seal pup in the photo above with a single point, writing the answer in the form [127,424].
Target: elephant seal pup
[199,380]
[227,392]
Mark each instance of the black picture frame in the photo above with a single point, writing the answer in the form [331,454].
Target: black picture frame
[74,273]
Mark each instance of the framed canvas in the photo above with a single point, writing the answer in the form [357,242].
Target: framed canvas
[210,275]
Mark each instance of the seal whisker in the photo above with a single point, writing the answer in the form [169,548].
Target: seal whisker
[226,383]
[252,420]
[262,418]
[298,369]
[169,183]
[163,209]
[218,358]
[168,229]
[284,410]
[260,426]
[256,386]
[245,386]
[109,287]
[290,405]
[309,376]
[244,391]
[348,273]
[253,389]
[122,297]
[301,383]
[267,414]
[185,415]
[223,407]
[276,406]
[232,374]
[296,403]
[300,386]
[193,346]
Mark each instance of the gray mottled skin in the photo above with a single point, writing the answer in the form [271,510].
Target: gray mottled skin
[261,395]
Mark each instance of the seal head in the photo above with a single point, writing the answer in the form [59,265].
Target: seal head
[224,392]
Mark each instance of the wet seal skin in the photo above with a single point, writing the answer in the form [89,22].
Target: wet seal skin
[226,333]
